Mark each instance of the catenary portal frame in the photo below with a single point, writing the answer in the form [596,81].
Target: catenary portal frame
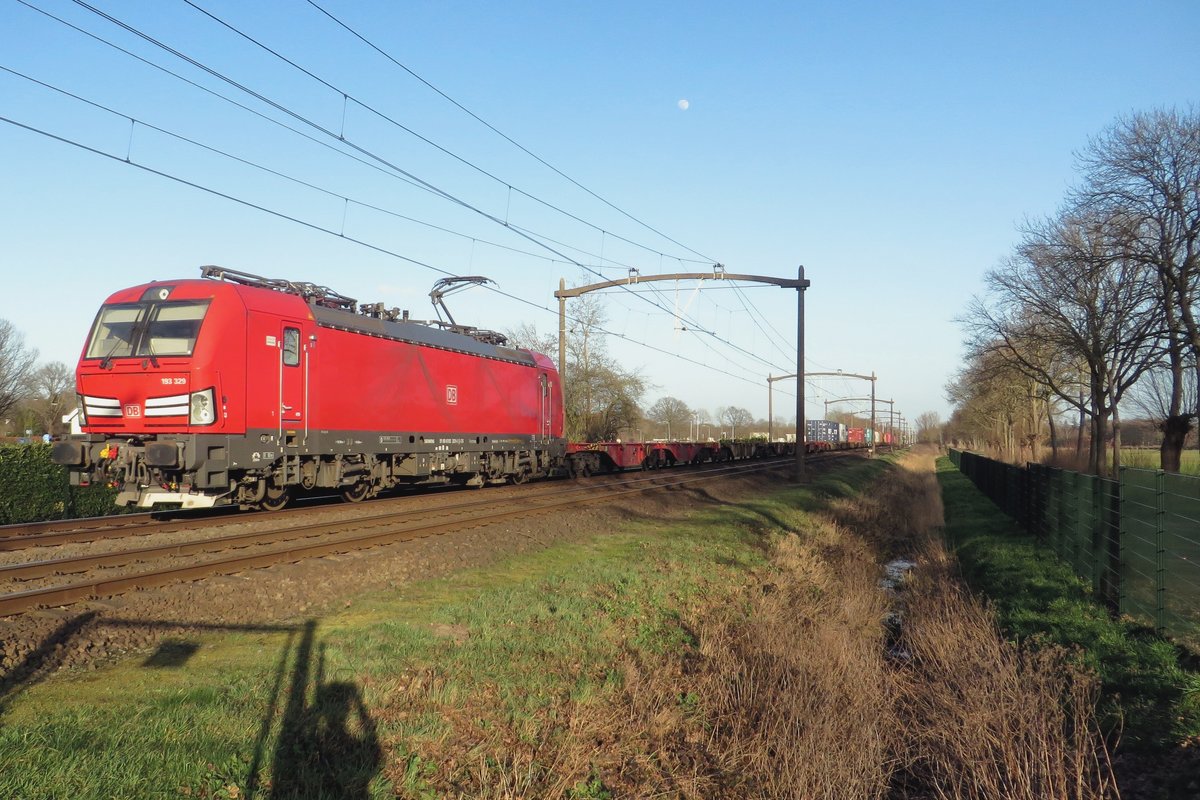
[718,274]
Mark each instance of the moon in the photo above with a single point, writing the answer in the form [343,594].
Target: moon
[683,105]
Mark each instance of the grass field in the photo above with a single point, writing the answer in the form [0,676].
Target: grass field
[744,650]
[376,701]
[1144,458]
[1148,685]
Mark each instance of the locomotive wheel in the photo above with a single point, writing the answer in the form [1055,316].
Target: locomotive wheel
[356,493]
[276,498]
[519,477]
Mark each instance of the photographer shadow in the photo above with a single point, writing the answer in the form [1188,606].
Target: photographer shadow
[326,748]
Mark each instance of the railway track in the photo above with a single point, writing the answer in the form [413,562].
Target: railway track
[295,535]
[88,529]
[15,534]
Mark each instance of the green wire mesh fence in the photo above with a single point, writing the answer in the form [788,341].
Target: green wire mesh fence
[1136,538]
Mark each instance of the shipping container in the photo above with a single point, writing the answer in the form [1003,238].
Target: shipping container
[821,430]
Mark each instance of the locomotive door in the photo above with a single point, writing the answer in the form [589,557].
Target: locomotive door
[293,379]
[546,413]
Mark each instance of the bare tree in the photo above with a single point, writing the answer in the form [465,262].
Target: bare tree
[16,364]
[602,398]
[1072,291]
[929,424]
[672,414]
[1158,393]
[51,394]
[991,398]
[1145,170]
[735,417]
[526,336]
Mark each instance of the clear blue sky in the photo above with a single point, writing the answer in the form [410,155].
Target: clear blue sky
[891,148]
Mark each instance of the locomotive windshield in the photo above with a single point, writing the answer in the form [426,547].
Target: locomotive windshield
[146,329]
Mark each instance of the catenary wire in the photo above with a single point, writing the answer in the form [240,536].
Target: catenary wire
[467,162]
[431,187]
[277,173]
[503,135]
[754,314]
[353,240]
[254,165]
[391,120]
[302,134]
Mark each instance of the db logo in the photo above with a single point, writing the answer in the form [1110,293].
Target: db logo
[133,411]
[452,395]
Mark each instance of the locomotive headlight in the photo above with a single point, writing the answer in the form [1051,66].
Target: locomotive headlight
[203,410]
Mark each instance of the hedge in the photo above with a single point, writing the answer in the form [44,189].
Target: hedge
[32,488]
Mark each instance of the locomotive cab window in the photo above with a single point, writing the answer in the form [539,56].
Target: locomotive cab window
[291,347]
[122,330]
[172,329]
[114,331]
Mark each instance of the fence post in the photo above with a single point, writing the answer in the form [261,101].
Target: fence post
[1115,548]
[1122,606]
[1037,504]
[1160,552]
[1059,543]
[1098,543]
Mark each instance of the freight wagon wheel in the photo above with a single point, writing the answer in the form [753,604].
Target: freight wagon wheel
[276,498]
[356,493]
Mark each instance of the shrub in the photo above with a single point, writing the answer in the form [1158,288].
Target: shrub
[33,488]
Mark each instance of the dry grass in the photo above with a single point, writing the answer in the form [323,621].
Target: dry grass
[989,719]
[986,718]
[802,698]
[788,694]
[790,690]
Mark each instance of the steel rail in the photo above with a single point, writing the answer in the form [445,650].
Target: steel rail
[83,535]
[399,532]
[25,530]
[70,533]
[75,564]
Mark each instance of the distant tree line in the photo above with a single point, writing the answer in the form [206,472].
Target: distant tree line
[33,396]
[1096,309]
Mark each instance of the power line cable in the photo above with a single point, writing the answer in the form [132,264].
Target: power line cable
[448,152]
[431,187]
[276,173]
[391,120]
[351,239]
[753,355]
[300,133]
[750,312]
[503,135]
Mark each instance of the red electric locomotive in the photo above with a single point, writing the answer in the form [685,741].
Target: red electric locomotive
[238,389]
